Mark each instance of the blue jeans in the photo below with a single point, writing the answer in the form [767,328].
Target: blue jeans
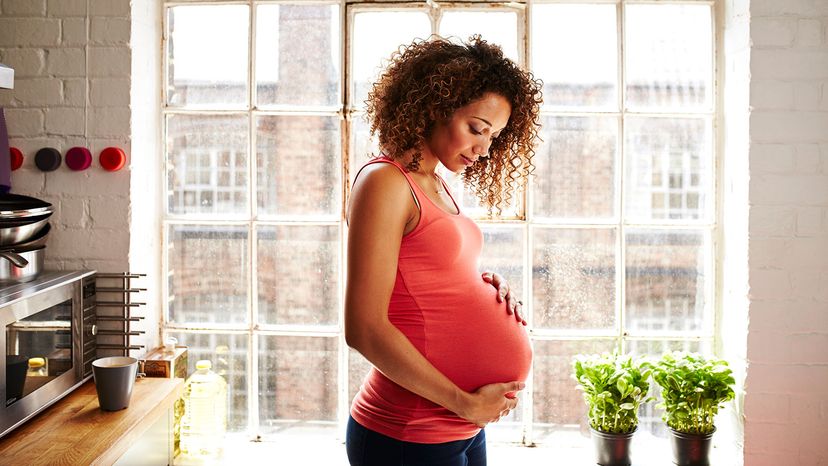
[368,448]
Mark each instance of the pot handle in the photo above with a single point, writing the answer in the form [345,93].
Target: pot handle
[14,258]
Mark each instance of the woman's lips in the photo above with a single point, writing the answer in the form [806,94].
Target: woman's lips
[467,160]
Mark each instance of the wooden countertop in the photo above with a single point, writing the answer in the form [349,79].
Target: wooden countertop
[75,430]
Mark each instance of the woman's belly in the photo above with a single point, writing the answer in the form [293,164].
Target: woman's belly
[471,338]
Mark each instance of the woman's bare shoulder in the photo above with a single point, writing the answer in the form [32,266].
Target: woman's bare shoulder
[381,178]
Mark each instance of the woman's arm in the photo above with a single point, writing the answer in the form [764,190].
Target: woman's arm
[381,207]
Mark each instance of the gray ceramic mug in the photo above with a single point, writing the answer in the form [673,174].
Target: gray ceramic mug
[114,379]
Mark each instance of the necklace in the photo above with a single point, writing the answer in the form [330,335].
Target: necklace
[439,189]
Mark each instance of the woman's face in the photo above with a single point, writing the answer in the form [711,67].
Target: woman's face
[458,142]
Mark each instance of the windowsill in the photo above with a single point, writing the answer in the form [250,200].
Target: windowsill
[313,450]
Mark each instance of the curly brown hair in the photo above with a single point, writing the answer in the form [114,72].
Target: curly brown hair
[428,80]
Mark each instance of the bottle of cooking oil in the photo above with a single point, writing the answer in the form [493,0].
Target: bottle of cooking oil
[37,368]
[205,413]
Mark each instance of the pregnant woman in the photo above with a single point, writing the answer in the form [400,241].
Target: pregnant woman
[449,355]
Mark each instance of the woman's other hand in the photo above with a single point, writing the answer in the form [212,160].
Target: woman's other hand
[490,403]
[504,292]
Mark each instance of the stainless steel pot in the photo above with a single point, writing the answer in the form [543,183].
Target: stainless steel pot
[16,206]
[21,231]
[10,273]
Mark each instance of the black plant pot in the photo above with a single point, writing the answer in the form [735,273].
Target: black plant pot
[611,449]
[690,449]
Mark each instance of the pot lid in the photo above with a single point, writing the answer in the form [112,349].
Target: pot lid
[11,204]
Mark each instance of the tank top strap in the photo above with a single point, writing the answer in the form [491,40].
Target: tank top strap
[416,192]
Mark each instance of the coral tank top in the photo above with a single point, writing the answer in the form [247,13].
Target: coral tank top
[443,306]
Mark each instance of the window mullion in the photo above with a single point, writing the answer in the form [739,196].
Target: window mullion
[252,183]
[621,157]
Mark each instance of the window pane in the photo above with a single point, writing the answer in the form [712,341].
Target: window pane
[228,353]
[297,383]
[297,54]
[207,164]
[376,35]
[669,56]
[469,202]
[575,167]
[573,278]
[666,283]
[298,274]
[503,253]
[208,274]
[298,165]
[669,169]
[575,53]
[496,27]
[362,146]
[207,65]
[358,368]
[560,411]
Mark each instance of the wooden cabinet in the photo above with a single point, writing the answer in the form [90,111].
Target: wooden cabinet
[75,430]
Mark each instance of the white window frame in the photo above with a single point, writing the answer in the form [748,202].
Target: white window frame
[525,219]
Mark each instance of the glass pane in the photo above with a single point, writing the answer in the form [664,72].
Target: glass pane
[207,62]
[573,278]
[297,54]
[228,353]
[298,165]
[469,202]
[576,54]
[38,348]
[496,27]
[666,282]
[207,164]
[669,56]
[503,253]
[362,146]
[377,34]
[560,411]
[575,167]
[358,368]
[669,169]
[208,280]
[649,414]
[298,273]
[297,384]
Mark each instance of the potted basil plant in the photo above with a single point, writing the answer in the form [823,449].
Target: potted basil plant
[614,387]
[693,388]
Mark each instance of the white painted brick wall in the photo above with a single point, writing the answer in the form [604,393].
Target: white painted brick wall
[57,103]
[786,420]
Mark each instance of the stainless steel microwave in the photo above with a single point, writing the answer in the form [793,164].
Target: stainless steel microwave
[47,327]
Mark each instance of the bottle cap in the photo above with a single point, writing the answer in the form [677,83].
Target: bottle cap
[48,159]
[36,362]
[204,364]
[78,158]
[16,158]
[112,159]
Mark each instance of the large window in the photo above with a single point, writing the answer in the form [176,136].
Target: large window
[612,245]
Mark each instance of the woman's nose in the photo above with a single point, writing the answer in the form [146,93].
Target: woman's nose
[482,148]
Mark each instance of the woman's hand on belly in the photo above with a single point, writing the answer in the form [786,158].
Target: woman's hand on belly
[504,293]
[490,402]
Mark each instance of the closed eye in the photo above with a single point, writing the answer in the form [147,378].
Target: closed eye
[480,133]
